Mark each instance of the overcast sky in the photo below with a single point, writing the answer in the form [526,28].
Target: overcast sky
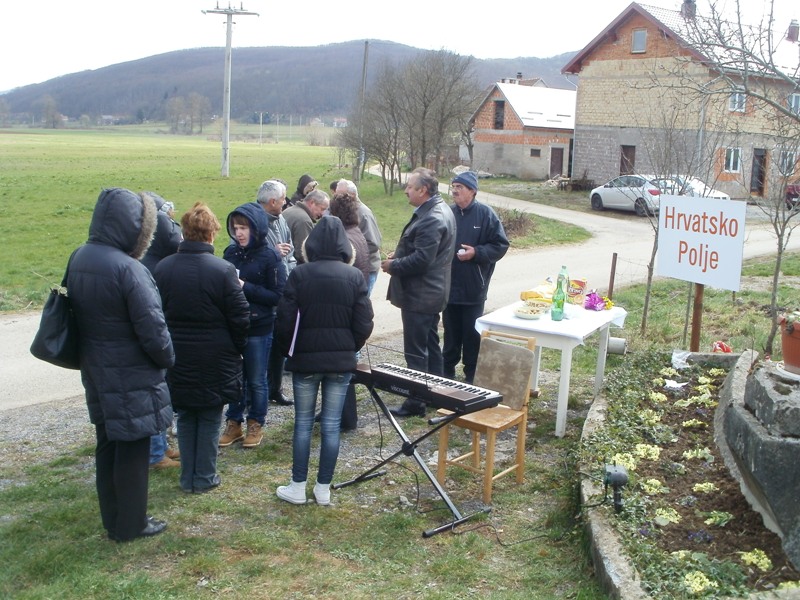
[47,38]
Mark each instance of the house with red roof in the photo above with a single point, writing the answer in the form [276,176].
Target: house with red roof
[670,91]
[524,129]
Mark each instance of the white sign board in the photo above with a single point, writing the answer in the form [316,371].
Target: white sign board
[701,240]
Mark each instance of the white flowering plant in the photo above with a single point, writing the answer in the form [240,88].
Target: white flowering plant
[684,523]
[790,320]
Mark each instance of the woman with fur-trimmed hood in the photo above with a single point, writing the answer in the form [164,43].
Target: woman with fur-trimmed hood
[125,349]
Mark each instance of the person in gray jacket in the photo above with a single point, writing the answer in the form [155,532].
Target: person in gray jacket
[420,278]
[368,226]
[125,350]
[272,197]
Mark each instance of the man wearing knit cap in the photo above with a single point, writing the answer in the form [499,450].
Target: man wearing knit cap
[480,242]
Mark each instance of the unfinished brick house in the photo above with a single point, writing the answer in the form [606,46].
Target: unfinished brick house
[651,99]
[524,129]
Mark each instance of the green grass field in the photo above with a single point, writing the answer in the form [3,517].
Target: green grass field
[242,542]
[50,180]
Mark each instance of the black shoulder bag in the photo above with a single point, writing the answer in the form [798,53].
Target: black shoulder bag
[56,341]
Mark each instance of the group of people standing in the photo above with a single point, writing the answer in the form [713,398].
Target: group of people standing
[443,264]
[291,289]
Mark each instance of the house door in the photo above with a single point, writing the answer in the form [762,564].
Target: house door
[556,161]
[759,171]
[627,160]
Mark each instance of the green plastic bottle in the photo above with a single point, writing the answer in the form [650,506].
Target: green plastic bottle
[560,295]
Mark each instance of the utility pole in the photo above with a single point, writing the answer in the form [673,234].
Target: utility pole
[361,157]
[226,98]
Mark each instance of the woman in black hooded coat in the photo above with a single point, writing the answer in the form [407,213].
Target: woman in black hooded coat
[125,349]
[324,318]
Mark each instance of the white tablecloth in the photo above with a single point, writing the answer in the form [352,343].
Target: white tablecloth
[577,325]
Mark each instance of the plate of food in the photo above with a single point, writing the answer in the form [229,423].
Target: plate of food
[531,309]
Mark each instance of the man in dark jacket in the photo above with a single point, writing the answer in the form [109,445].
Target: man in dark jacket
[167,236]
[480,242]
[420,277]
[165,243]
[125,349]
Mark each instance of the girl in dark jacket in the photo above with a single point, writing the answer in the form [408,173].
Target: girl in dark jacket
[262,275]
[125,349]
[208,317]
[324,317]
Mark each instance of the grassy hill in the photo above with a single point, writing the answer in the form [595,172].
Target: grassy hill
[305,82]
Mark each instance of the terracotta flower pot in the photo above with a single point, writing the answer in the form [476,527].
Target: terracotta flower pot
[790,347]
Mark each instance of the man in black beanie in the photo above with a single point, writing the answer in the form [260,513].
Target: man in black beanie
[480,242]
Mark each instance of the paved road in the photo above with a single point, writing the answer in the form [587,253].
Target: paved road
[27,381]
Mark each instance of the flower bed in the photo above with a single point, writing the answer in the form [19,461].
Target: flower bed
[684,524]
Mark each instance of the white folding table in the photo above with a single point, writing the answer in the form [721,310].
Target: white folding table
[577,325]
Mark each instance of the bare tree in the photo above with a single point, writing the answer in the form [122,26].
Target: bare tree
[679,142]
[176,113]
[198,109]
[414,111]
[456,100]
[47,109]
[383,128]
[755,69]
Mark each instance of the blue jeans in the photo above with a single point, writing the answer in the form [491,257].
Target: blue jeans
[306,387]
[198,436]
[255,389]
[158,447]
[373,277]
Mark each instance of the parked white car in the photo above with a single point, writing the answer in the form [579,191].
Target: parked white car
[628,192]
[680,185]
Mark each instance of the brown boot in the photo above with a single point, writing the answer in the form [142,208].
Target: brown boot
[233,433]
[165,463]
[173,454]
[254,434]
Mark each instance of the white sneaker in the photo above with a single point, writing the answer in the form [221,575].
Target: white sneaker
[322,493]
[294,492]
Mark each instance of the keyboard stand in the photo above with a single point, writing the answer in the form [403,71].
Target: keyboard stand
[409,448]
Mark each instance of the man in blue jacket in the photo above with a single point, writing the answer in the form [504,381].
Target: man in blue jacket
[480,242]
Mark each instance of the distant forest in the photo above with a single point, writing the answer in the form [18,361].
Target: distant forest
[321,81]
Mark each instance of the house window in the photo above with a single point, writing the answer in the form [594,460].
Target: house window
[794,103]
[499,113]
[786,162]
[536,152]
[639,41]
[737,101]
[627,160]
[733,160]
